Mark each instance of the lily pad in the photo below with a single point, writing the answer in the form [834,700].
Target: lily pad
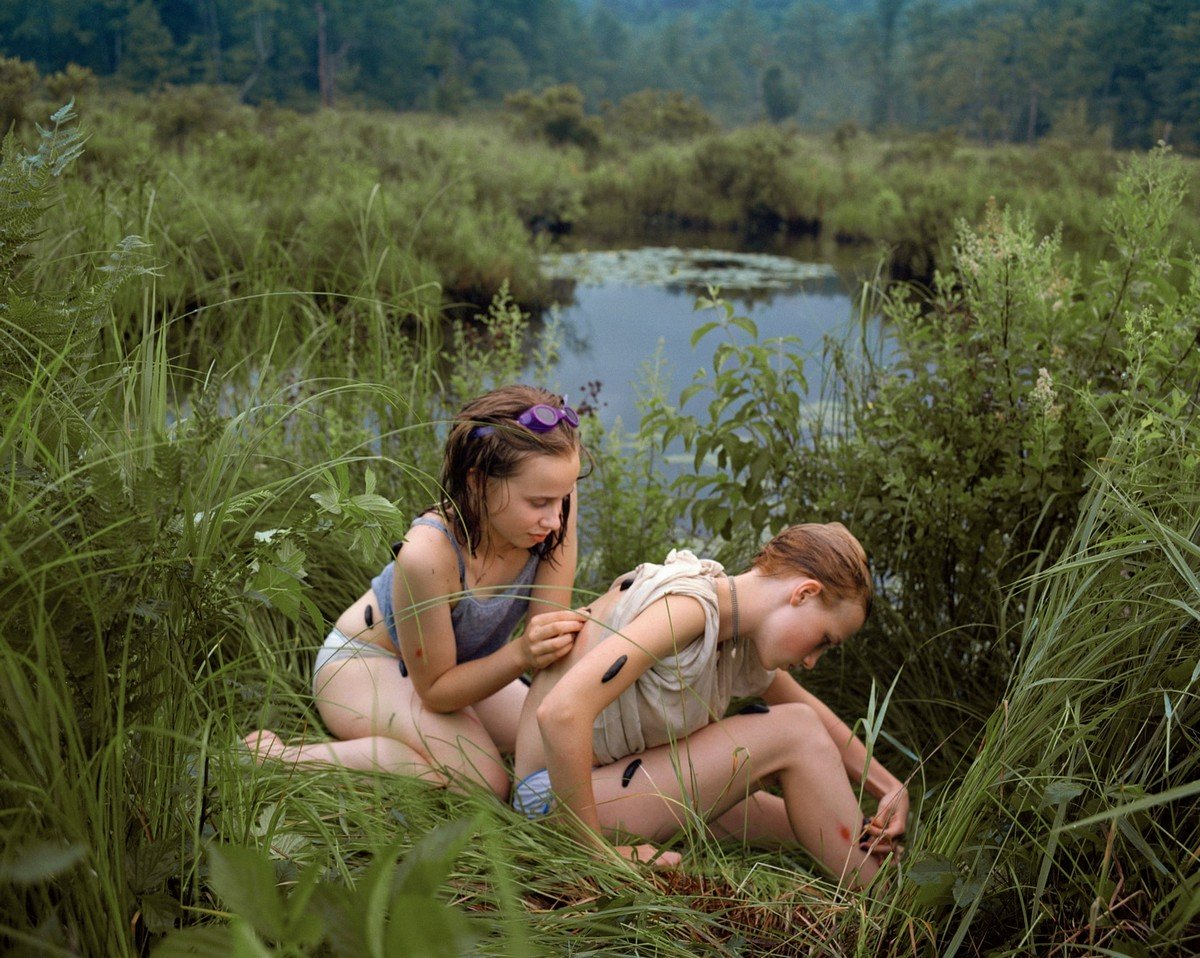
[694,269]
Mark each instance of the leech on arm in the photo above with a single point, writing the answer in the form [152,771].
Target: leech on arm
[614,669]
[369,615]
[627,775]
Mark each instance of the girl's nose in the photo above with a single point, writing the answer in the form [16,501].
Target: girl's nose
[552,520]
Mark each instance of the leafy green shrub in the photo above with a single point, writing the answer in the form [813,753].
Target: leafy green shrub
[1079,811]
[393,909]
[746,174]
[70,83]
[557,116]
[197,110]
[17,79]
[654,116]
[960,453]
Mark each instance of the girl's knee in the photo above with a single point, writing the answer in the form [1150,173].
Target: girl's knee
[802,725]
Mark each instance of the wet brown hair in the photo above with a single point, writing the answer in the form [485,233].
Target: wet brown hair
[826,552]
[498,455]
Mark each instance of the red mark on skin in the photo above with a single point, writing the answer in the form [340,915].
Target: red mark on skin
[420,653]
[844,832]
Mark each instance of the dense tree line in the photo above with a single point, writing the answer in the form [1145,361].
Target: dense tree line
[997,70]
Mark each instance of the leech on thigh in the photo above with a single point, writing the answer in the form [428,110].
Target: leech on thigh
[614,669]
[369,615]
[630,769]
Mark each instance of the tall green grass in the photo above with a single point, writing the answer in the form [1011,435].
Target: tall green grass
[191,488]
[1076,821]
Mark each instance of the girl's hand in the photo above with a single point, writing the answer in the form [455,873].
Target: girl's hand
[649,854]
[884,830]
[549,636]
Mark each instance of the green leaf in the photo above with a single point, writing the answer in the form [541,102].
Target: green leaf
[244,941]
[377,505]
[1134,837]
[701,331]
[40,860]
[746,323]
[425,928]
[328,501]
[1061,791]
[934,877]
[160,911]
[425,867]
[203,941]
[244,878]
[967,890]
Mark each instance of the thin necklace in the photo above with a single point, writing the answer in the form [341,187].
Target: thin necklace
[733,605]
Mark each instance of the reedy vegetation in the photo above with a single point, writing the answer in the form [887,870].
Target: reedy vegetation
[174,531]
[267,204]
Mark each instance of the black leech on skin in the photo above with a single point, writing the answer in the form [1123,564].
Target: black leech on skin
[626,584]
[627,775]
[369,615]
[614,669]
[754,708]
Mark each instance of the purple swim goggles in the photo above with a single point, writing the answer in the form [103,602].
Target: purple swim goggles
[539,417]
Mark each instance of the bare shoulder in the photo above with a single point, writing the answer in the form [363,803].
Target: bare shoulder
[427,561]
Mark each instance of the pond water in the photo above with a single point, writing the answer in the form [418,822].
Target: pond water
[619,307]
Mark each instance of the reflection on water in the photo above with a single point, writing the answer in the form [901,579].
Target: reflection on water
[618,307]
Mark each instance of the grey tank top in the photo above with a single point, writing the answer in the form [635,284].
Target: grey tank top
[481,625]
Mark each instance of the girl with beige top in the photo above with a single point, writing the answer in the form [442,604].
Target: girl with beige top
[626,733]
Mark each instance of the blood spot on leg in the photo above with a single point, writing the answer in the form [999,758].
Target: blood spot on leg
[844,832]
[614,669]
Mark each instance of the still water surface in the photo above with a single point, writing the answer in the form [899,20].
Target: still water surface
[620,308]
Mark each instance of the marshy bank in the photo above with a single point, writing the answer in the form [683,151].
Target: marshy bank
[1022,469]
[417,211]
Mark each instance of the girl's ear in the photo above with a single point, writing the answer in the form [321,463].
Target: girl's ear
[805,589]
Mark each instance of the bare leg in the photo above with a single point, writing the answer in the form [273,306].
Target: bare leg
[722,765]
[500,714]
[760,820]
[381,725]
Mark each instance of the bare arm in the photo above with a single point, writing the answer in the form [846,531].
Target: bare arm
[426,576]
[568,712]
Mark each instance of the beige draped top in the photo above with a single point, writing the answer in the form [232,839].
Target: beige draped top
[685,691]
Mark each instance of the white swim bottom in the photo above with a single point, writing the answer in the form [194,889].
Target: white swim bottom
[339,647]
[532,796]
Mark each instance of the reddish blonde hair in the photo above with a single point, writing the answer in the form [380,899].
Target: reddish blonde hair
[826,552]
